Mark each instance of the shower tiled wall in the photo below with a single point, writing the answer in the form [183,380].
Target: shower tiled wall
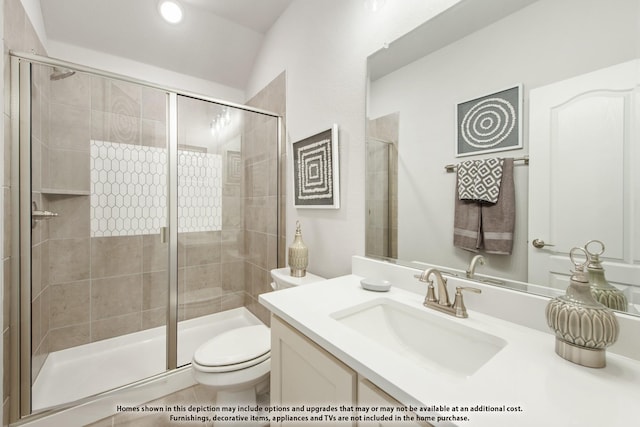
[97,287]
[265,247]
[382,186]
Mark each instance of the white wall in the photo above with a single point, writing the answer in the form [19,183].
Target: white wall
[543,43]
[323,46]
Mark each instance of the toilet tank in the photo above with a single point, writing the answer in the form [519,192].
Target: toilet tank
[282,279]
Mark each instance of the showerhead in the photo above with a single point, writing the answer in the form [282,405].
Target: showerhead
[61,73]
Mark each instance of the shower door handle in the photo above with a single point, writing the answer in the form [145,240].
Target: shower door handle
[163,234]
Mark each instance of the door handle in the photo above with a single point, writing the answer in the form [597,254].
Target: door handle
[539,243]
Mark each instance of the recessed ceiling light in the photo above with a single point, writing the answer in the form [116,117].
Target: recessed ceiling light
[170,11]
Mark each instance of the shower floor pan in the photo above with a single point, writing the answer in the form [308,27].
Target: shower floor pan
[78,372]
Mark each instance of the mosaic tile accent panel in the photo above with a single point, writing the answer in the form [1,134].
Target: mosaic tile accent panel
[129,190]
[199,191]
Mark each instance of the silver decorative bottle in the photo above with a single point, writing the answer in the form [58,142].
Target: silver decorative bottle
[601,289]
[298,254]
[584,328]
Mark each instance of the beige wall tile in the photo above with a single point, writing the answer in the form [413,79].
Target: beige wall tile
[74,216]
[70,303]
[203,276]
[233,276]
[256,246]
[154,318]
[154,104]
[71,260]
[232,300]
[116,296]
[155,290]
[232,213]
[207,252]
[155,254]
[116,326]
[114,256]
[70,336]
[69,128]
[74,90]
[68,170]
[232,244]
[112,96]
[112,127]
[154,133]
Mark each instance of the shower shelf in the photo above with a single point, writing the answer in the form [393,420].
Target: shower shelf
[62,192]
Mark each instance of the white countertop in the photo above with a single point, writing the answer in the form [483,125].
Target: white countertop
[526,372]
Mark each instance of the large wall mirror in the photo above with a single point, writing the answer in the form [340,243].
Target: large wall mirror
[576,62]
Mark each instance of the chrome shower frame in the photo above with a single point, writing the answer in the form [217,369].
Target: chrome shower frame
[20,320]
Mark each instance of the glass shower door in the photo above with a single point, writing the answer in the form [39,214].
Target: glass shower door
[210,278]
[99,265]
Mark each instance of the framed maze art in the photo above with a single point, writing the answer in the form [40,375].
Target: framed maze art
[316,170]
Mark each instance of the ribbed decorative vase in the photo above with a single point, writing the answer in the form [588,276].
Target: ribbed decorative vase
[601,289]
[584,328]
[298,254]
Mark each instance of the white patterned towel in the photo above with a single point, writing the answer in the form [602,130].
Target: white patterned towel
[480,180]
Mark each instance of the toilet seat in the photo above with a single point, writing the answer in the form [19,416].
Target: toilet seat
[234,350]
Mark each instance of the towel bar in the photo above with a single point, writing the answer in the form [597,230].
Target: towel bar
[524,159]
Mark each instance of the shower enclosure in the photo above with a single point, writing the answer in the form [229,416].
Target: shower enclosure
[381,199]
[142,215]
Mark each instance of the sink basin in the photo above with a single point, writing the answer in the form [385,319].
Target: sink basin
[421,335]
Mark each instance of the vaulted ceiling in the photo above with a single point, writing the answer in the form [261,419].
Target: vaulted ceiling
[217,40]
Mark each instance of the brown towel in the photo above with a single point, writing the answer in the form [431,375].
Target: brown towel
[499,219]
[466,224]
[489,226]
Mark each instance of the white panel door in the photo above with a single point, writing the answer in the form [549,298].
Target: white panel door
[583,136]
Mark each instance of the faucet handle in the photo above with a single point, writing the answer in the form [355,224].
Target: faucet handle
[458,302]
[421,277]
[431,294]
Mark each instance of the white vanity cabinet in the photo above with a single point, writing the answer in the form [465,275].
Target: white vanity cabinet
[369,395]
[303,373]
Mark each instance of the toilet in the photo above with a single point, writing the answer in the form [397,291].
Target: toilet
[237,362]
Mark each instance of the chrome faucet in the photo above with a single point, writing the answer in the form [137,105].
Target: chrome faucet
[441,303]
[472,265]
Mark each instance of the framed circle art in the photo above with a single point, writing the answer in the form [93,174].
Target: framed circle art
[490,123]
